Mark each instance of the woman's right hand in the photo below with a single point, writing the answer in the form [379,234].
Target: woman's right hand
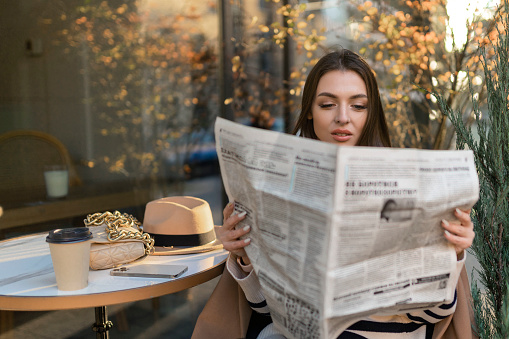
[229,236]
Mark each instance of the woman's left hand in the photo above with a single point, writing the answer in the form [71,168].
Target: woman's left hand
[459,233]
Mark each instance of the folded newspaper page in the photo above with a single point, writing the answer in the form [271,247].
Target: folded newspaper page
[338,233]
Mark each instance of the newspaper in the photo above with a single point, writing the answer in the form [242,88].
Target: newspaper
[338,233]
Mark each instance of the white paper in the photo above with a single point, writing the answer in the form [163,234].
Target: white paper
[325,250]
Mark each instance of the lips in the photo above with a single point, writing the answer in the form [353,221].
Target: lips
[341,135]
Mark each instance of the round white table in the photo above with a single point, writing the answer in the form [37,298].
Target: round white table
[28,281]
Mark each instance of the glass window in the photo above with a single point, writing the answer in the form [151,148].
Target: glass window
[129,92]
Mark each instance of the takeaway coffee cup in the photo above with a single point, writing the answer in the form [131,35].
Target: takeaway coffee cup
[70,253]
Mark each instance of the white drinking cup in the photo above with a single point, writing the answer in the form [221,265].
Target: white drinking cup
[56,178]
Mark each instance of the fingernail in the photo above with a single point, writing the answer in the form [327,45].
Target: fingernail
[247,241]
[458,211]
[246,228]
[242,214]
[446,223]
[447,232]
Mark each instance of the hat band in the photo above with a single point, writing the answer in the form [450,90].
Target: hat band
[183,240]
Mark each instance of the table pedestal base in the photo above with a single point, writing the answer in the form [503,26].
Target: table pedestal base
[102,324]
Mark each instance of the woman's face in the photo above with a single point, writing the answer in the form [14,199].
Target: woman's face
[340,108]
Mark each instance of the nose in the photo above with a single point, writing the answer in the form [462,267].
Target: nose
[342,116]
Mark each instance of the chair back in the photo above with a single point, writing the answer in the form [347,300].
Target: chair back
[24,154]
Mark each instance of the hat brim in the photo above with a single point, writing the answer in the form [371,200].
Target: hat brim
[177,250]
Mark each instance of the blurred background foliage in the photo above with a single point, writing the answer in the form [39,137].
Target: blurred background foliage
[416,45]
[153,83]
[155,77]
[412,46]
[261,91]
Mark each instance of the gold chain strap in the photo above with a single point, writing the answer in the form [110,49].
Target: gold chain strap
[115,222]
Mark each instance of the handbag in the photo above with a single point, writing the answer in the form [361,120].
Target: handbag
[117,239]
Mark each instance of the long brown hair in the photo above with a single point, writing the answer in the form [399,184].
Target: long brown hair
[375,131]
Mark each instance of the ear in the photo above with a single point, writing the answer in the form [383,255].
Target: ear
[310,116]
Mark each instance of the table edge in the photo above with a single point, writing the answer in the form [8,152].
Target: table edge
[66,302]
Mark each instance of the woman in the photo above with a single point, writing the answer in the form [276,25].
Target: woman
[341,105]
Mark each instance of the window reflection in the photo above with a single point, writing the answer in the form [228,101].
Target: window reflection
[150,78]
[129,88]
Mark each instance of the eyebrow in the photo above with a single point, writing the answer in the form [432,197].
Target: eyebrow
[330,95]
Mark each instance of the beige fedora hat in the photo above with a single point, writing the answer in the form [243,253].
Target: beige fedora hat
[180,225]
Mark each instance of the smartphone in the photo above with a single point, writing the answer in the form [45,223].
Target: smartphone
[150,271]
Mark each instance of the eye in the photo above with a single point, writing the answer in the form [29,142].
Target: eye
[360,107]
[326,105]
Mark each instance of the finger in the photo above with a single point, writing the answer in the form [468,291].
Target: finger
[229,224]
[236,234]
[464,217]
[233,220]
[236,218]
[226,235]
[455,228]
[234,246]
[460,236]
[460,243]
[228,210]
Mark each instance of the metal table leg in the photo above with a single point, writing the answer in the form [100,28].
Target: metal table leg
[102,324]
